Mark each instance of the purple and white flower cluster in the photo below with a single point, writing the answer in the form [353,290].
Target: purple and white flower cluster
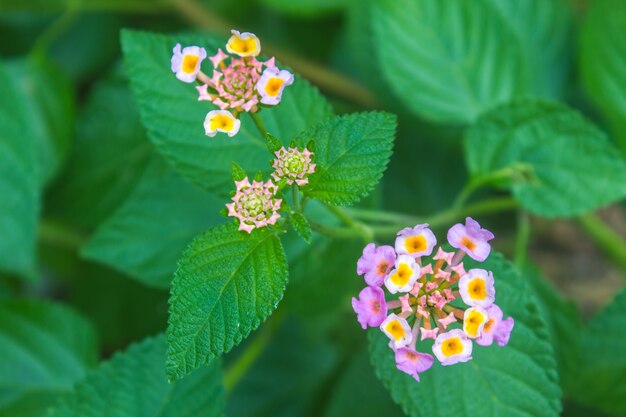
[238,84]
[426,290]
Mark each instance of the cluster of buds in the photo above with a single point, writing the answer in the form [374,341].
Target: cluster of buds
[257,204]
[423,309]
[238,84]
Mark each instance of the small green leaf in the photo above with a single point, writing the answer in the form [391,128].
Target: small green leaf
[301,225]
[258,176]
[136,240]
[600,372]
[311,145]
[173,115]
[519,379]
[273,143]
[573,167]
[133,383]
[45,349]
[237,172]
[226,284]
[602,66]
[351,154]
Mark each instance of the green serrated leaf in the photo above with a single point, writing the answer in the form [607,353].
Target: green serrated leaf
[19,180]
[136,240]
[236,172]
[107,159]
[173,116]
[599,380]
[351,154]
[226,284]
[301,225]
[449,61]
[519,379]
[133,383]
[45,349]
[273,143]
[602,64]
[574,168]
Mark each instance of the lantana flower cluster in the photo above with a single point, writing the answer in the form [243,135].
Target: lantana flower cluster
[257,204]
[239,82]
[424,289]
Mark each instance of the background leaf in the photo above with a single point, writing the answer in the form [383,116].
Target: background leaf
[45,348]
[573,167]
[147,234]
[108,157]
[19,180]
[133,383]
[173,115]
[519,379]
[351,154]
[603,62]
[600,379]
[448,61]
[226,284]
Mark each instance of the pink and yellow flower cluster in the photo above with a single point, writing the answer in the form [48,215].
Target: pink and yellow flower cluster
[239,82]
[426,289]
[256,204]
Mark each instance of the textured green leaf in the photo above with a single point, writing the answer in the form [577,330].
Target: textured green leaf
[136,240]
[133,384]
[19,180]
[448,61]
[174,117]
[109,154]
[563,321]
[519,379]
[573,168]
[45,348]
[226,284]
[288,378]
[301,226]
[600,379]
[603,61]
[351,153]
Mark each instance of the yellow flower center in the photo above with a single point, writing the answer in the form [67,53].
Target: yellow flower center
[273,86]
[415,244]
[477,289]
[243,46]
[189,63]
[395,329]
[402,275]
[452,346]
[473,322]
[468,243]
[222,122]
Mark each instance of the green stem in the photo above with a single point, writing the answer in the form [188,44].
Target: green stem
[475,183]
[335,232]
[611,243]
[522,239]
[248,357]
[259,124]
[295,195]
[362,229]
